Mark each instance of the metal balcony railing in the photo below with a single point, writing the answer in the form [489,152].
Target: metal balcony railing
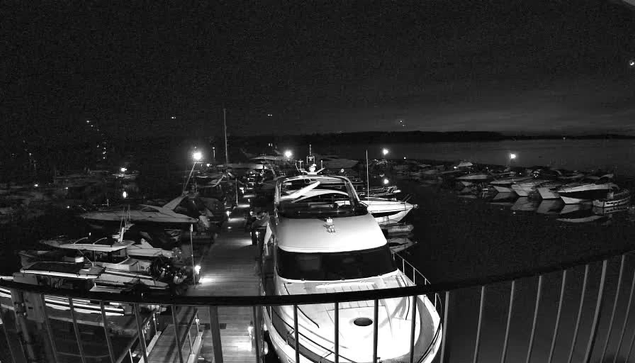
[574,312]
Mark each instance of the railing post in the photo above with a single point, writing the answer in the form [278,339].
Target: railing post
[296,335]
[47,327]
[617,297]
[555,329]
[257,331]
[179,347]
[214,326]
[76,329]
[336,340]
[26,341]
[375,329]
[596,314]
[509,320]
[480,321]
[142,340]
[413,325]
[628,312]
[446,307]
[104,321]
[577,322]
[6,334]
[535,320]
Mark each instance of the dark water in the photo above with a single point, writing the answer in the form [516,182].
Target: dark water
[462,238]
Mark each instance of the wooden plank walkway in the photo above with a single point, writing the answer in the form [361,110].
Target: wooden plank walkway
[229,268]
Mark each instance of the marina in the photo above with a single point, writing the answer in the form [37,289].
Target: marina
[229,260]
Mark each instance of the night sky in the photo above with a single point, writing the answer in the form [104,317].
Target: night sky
[513,66]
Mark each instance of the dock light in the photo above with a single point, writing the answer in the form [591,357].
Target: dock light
[386,181]
[123,170]
[250,329]
[197,156]
[384,151]
[288,154]
[512,156]
[197,269]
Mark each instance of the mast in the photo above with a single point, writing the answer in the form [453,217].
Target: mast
[367,177]
[225,132]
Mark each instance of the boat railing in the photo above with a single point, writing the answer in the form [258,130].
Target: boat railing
[574,311]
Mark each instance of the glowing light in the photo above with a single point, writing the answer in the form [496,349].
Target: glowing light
[385,151]
[36,185]
[173,117]
[124,195]
[269,115]
[123,170]
[631,63]
[288,154]
[197,156]
[512,156]
[386,181]
[197,269]
[87,121]
[205,280]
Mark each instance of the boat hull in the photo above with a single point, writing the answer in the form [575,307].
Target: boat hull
[547,193]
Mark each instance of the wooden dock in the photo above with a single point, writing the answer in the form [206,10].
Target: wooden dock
[228,268]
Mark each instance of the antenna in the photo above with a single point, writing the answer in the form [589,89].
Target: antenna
[367,177]
[225,132]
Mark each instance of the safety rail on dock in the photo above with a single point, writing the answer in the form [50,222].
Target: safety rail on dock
[574,312]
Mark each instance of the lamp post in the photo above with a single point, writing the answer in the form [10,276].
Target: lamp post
[512,157]
[197,156]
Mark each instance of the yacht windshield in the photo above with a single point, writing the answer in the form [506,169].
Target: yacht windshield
[335,266]
[328,197]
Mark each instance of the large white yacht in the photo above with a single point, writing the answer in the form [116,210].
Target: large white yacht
[324,240]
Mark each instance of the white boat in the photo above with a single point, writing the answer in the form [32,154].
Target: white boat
[525,188]
[388,210]
[548,190]
[330,245]
[144,213]
[66,275]
[121,269]
[380,191]
[614,199]
[584,192]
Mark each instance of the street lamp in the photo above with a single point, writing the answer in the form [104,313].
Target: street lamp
[384,151]
[197,156]
[288,154]
[512,157]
